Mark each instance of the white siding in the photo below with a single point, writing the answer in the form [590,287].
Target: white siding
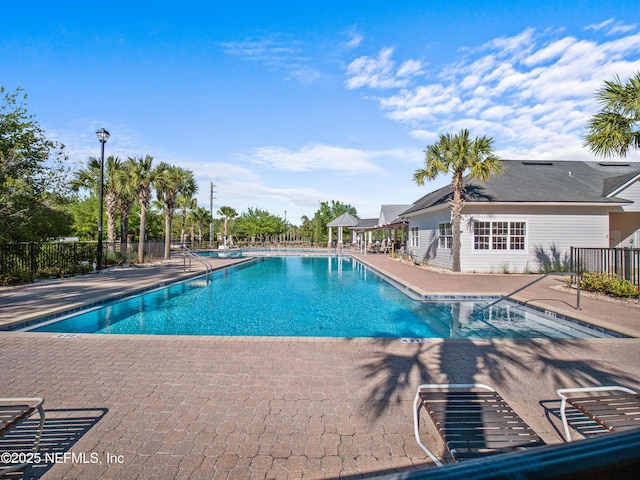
[551,231]
[427,250]
[632,192]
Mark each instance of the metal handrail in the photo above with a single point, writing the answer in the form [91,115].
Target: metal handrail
[186,252]
[505,297]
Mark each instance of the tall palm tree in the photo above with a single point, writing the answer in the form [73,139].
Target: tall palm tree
[128,194]
[458,154]
[616,128]
[141,177]
[171,181]
[185,203]
[228,213]
[89,177]
[199,217]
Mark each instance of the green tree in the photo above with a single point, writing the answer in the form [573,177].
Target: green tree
[141,175]
[199,216]
[32,176]
[259,223]
[185,203]
[328,212]
[227,213]
[89,178]
[616,128]
[306,228]
[171,181]
[127,196]
[85,217]
[457,154]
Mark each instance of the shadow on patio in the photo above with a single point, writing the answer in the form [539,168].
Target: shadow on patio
[63,428]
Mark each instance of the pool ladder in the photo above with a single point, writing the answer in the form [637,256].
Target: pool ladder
[187,253]
[505,297]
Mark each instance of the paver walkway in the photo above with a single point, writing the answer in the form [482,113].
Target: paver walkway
[278,408]
[617,316]
[48,297]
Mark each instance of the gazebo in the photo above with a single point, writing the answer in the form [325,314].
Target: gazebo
[344,220]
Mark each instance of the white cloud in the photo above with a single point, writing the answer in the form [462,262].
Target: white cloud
[533,92]
[276,54]
[550,52]
[381,71]
[611,27]
[515,46]
[354,39]
[349,161]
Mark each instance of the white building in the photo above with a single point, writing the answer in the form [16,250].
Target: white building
[527,218]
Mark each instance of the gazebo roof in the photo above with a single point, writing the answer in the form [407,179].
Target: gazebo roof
[344,220]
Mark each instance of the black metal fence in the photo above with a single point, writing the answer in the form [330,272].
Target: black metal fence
[615,262]
[24,262]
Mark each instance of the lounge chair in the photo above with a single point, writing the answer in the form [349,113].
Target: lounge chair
[14,411]
[614,408]
[473,420]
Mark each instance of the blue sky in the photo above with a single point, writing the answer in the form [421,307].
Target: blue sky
[286,104]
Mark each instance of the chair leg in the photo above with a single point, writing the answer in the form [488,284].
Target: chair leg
[417,406]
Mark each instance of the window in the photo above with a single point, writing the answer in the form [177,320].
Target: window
[517,235]
[413,234]
[445,239]
[481,235]
[499,235]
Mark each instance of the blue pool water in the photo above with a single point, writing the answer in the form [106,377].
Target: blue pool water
[306,296]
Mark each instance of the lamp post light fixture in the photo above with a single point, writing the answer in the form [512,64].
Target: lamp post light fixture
[103,135]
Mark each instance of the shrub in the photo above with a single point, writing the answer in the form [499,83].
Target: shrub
[594,282]
[16,278]
[622,288]
[602,283]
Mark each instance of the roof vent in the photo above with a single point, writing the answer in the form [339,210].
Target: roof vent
[537,163]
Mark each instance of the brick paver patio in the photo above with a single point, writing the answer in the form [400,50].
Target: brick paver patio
[280,408]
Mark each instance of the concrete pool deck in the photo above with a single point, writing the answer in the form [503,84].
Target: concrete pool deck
[223,407]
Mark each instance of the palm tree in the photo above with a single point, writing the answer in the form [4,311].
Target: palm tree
[141,176]
[457,154]
[616,128]
[228,213]
[199,216]
[89,177]
[170,182]
[185,203]
[128,194]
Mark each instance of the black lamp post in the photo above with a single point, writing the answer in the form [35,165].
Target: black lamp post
[103,135]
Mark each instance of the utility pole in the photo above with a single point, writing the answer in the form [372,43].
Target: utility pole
[211,197]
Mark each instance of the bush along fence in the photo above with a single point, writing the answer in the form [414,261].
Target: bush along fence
[25,262]
[611,266]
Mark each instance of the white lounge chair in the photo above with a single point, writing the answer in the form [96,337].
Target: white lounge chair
[473,420]
[613,407]
[14,411]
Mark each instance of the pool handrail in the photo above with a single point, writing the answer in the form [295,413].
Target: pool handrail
[505,297]
[186,252]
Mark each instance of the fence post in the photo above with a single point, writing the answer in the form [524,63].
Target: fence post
[627,264]
[572,265]
[34,263]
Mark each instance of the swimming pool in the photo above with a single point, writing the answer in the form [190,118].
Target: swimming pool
[308,296]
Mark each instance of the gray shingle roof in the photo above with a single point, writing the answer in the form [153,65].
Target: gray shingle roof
[344,220]
[543,181]
[366,223]
[389,214]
